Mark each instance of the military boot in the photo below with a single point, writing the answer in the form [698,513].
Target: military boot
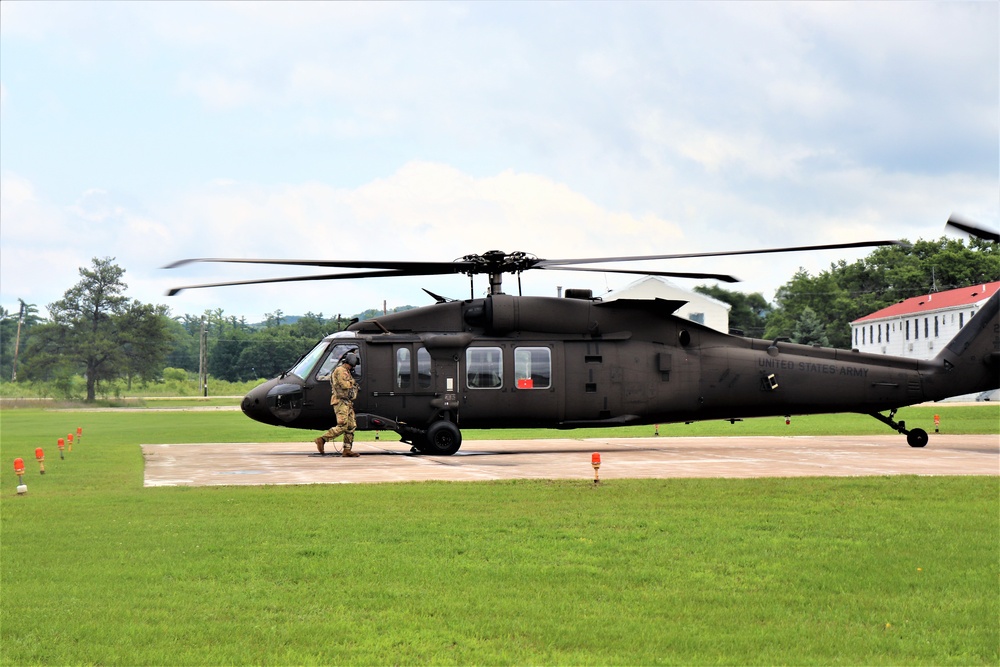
[321,446]
[348,444]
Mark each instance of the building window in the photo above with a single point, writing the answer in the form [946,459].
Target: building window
[936,334]
[961,320]
[697,317]
[927,328]
[907,329]
[916,329]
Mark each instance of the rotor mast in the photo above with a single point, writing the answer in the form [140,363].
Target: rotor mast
[495,263]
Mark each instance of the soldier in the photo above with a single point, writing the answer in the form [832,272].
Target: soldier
[344,391]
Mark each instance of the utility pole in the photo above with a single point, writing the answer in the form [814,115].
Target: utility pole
[17,340]
[203,359]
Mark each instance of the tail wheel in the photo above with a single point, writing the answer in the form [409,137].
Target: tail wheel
[917,437]
[443,439]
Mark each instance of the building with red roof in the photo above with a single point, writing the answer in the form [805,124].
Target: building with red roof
[920,326]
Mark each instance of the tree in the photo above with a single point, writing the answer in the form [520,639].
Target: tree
[14,331]
[312,326]
[146,339]
[96,330]
[224,357]
[185,349]
[273,319]
[748,312]
[271,352]
[809,329]
[888,275]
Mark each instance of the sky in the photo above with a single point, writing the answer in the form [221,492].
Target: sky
[157,131]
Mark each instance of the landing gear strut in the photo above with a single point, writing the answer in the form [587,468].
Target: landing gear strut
[914,438]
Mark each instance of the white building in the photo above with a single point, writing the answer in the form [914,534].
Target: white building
[699,308]
[920,326]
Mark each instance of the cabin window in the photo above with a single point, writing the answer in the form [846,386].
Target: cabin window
[484,367]
[697,317]
[533,367]
[403,370]
[423,368]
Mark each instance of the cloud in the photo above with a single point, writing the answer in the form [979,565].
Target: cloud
[219,92]
[155,131]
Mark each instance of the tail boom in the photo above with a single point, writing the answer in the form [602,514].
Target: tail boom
[971,361]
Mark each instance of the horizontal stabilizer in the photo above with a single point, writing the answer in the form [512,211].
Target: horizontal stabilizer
[654,306]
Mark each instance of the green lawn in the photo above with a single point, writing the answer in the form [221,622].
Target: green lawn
[96,569]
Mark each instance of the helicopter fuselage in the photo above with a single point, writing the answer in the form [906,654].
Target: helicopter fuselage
[512,362]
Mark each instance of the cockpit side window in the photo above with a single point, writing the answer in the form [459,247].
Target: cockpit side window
[337,353]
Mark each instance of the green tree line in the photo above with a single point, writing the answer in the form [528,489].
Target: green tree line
[819,309]
[97,333]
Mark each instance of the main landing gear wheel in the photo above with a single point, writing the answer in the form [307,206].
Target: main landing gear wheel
[443,439]
[917,437]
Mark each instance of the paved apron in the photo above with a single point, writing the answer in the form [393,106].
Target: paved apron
[219,464]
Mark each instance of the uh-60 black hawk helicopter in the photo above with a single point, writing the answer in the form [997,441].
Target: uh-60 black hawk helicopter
[506,361]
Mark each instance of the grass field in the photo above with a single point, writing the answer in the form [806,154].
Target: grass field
[96,569]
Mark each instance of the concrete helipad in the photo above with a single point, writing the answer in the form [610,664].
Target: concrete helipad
[220,464]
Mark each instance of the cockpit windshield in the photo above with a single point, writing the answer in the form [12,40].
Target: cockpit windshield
[309,361]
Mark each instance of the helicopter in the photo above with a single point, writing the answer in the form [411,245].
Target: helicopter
[505,361]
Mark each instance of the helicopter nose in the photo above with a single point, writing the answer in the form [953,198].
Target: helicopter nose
[276,402]
[254,405]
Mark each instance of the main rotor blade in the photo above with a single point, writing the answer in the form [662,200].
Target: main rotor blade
[425,268]
[551,263]
[669,274]
[294,279]
[973,229]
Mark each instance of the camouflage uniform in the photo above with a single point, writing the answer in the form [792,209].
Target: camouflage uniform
[344,391]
